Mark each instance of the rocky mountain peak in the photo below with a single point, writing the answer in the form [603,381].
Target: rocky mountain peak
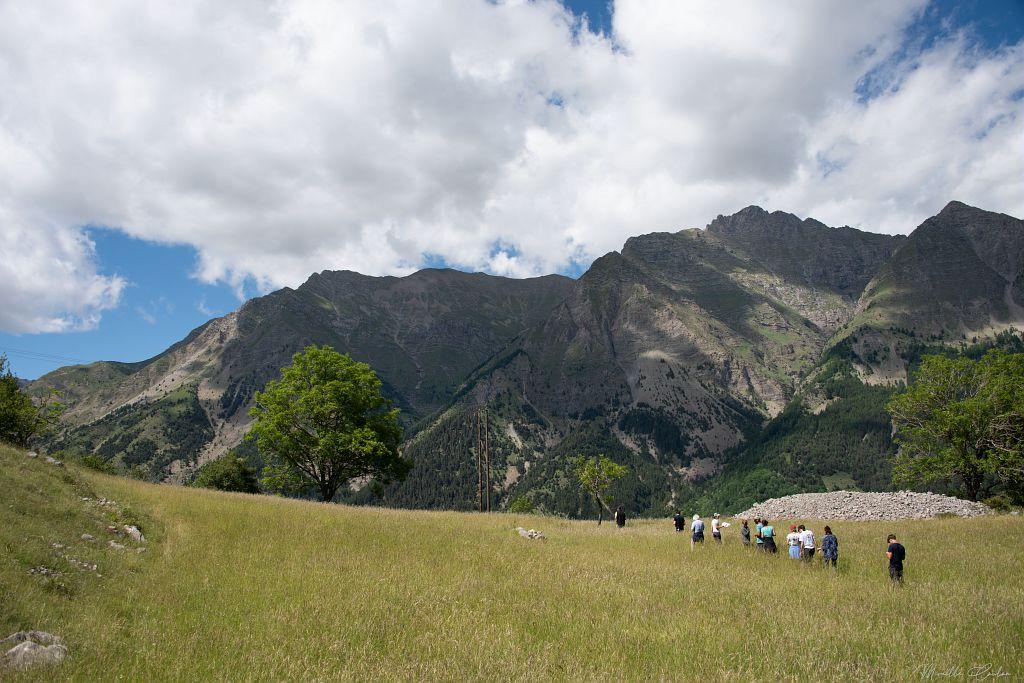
[806,251]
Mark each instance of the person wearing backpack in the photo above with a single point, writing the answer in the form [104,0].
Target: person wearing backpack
[620,516]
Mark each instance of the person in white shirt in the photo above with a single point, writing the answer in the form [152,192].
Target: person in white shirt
[697,527]
[793,539]
[806,543]
[716,528]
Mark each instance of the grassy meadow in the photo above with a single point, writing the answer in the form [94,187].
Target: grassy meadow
[238,587]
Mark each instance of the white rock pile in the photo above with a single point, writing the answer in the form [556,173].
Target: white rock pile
[864,506]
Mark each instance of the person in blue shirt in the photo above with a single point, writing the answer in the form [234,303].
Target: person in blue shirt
[698,531]
[829,547]
[768,536]
[759,542]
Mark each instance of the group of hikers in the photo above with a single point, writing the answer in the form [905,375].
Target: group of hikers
[800,541]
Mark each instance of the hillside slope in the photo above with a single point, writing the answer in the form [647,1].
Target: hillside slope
[664,356]
[249,587]
[959,277]
[422,334]
[763,342]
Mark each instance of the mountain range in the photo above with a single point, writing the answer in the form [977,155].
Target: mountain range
[747,359]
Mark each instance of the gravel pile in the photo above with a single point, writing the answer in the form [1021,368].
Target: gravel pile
[864,506]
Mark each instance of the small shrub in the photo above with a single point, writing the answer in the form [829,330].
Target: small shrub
[521,505]
[229,473]
[999,503]
[95,462]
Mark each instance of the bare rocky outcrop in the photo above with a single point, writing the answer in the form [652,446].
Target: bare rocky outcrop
[864,506]
[26,649]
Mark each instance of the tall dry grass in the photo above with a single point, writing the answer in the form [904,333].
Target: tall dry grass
[245,587]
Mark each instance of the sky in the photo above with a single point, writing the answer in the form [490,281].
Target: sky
[162,162]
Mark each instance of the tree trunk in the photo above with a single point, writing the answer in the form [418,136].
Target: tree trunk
[972,485]
[601,507]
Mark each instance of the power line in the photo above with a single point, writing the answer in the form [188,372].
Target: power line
[41,356]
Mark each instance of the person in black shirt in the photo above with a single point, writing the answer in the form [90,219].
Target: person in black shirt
[680,521]
[896,554]
[620,516]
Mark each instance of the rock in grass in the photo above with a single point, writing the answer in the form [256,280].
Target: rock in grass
[53,461]
[43,571]
[32,648]
[134,533]
[115,545]
[88,537]
[530,533]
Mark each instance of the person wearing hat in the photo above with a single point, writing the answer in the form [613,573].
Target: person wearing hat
[793,539]
[697,527]
[716,528]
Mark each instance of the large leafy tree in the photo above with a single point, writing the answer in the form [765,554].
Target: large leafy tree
[963,420]
[22,418]
[596,475]
[326,421]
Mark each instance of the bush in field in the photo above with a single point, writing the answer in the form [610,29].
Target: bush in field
[228,473]
[999,503]
[21,418]
[95,462]
[521,505]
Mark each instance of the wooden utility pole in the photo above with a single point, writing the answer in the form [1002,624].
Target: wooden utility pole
[482,454]
[487,459]
[479,466]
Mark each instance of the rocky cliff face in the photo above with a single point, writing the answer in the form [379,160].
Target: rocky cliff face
[669,355]
[423,333]
[957,278]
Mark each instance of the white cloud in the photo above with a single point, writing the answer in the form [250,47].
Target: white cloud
[284,138]
[204,309]
[48,280]
[146,315]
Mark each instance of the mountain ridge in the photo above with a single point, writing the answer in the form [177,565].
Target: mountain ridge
[670,353]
